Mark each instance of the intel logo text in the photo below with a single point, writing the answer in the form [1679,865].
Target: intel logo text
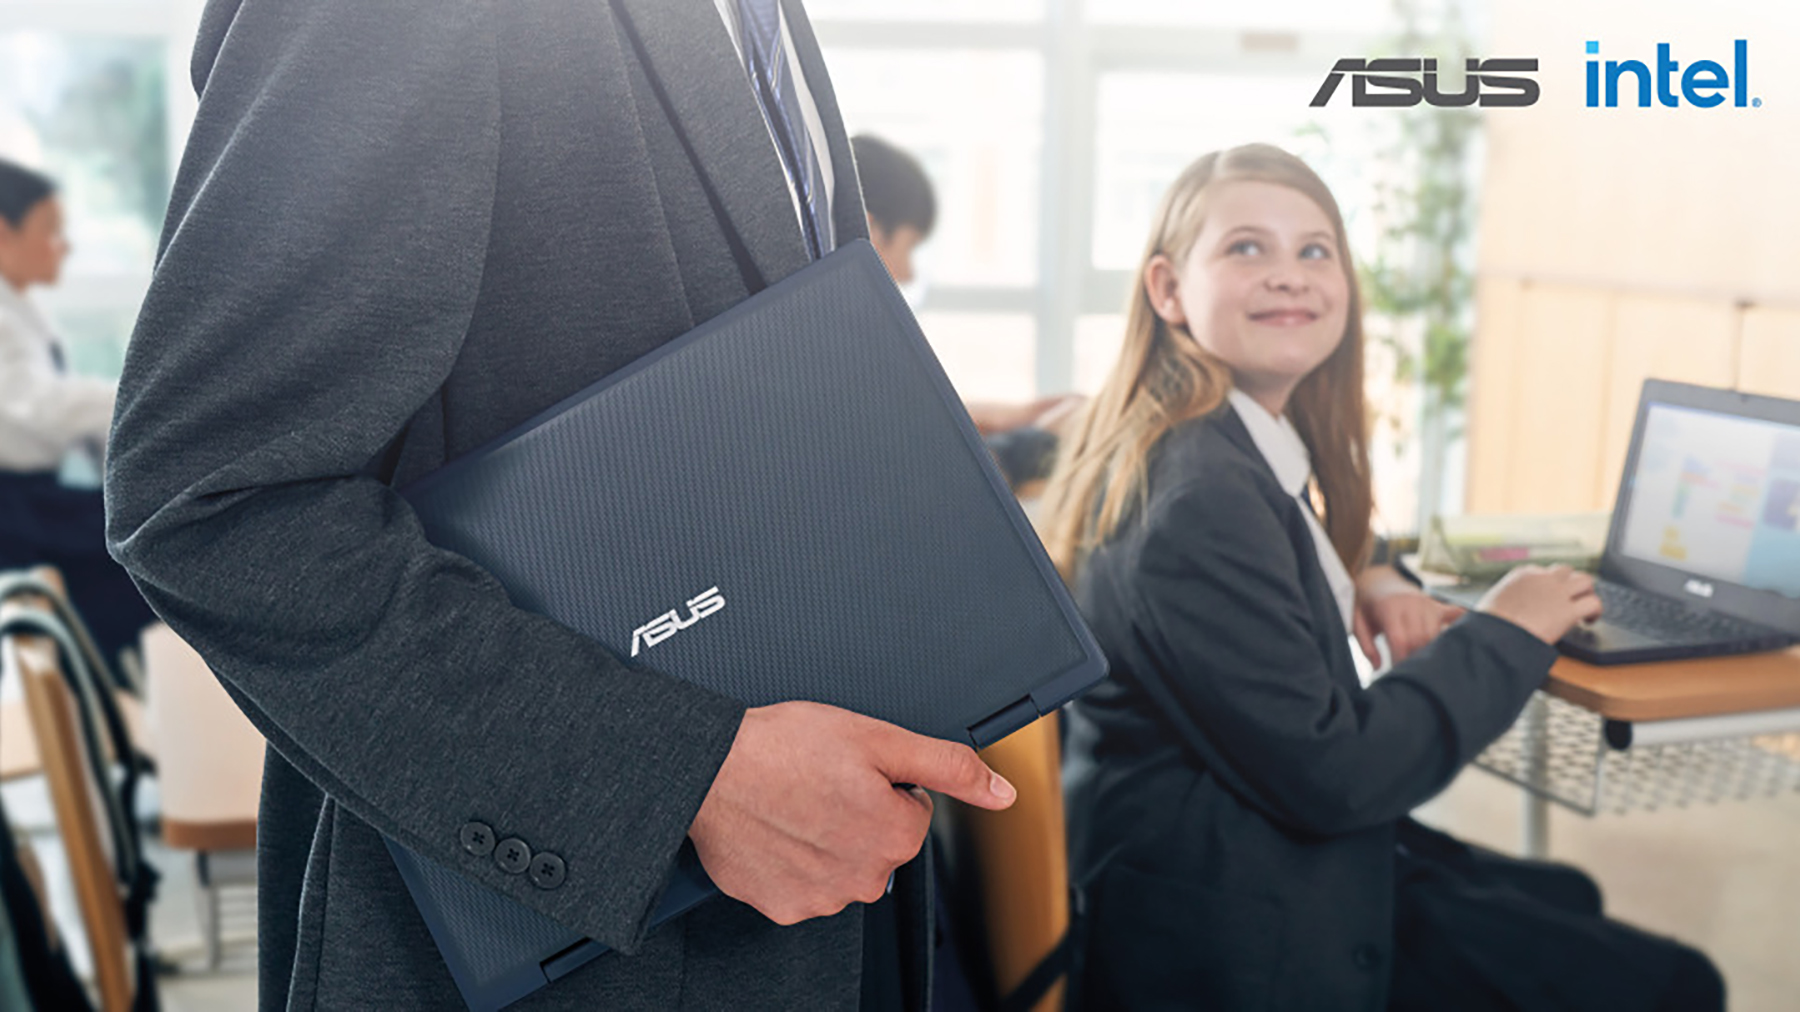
[1702,83]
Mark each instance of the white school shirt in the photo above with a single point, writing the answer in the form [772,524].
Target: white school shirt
[44,412]
[1280,445]
[809,110]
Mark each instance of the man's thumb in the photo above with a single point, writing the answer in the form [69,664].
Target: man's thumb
[945,767]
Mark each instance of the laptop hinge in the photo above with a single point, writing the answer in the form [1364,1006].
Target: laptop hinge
[991,729]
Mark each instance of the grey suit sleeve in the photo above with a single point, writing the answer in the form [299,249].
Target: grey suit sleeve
[323,254]
[1244,679]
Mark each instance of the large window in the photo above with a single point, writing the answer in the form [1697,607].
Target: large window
[1151,124]
[1297,15]
[1051,129]
[975,118]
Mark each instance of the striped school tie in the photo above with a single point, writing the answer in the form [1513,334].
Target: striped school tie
[779,97]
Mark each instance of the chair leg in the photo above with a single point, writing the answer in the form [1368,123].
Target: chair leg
[208,897]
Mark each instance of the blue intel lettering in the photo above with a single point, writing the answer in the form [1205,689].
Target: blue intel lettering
[1702,83]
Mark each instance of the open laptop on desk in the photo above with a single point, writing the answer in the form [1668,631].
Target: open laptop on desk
[1703,554]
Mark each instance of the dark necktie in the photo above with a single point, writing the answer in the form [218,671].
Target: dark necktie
[56,358]
[779,97]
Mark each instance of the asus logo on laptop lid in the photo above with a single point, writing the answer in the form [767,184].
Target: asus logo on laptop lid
[670,622]
[1698,588]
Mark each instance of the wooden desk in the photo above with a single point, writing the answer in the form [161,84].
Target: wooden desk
[1673,690]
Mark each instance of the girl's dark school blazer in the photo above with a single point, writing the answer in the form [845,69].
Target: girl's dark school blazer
[1235,791]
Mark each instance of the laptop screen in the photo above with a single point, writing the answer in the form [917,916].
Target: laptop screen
[1717,496]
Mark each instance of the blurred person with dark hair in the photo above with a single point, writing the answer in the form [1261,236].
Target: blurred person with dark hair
[46,413]
[902,210]
[900,202]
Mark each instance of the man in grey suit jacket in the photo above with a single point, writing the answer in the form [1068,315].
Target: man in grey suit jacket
[399,229]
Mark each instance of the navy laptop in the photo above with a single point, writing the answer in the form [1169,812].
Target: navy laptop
[1702,556]
[787,502]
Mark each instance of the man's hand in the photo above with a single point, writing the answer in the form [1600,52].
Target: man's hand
[805,817]
[1388,605]
[1544,602]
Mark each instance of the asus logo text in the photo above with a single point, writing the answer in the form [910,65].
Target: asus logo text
[1698,588]
[670,622]
[1482,83]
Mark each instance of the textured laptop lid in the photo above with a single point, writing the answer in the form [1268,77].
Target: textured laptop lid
[787,503]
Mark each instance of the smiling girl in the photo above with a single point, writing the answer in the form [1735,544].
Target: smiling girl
[1238,798]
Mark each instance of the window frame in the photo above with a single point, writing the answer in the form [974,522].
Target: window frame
[1076,53]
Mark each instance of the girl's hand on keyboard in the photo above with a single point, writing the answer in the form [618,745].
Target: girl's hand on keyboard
[1545,602]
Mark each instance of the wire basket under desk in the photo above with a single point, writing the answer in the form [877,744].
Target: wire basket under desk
[1559,751]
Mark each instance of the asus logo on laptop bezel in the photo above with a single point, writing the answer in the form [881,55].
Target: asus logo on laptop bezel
[1698,588]
[670,622]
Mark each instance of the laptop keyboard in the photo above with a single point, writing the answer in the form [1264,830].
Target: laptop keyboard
[1669,620]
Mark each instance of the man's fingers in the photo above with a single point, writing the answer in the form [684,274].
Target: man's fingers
[907,758]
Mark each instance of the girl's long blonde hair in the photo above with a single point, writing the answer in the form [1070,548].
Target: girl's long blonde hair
[1163,378]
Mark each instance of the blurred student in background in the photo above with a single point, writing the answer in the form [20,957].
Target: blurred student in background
[902,209]
[899,200]
[1239,799]
[47,413]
